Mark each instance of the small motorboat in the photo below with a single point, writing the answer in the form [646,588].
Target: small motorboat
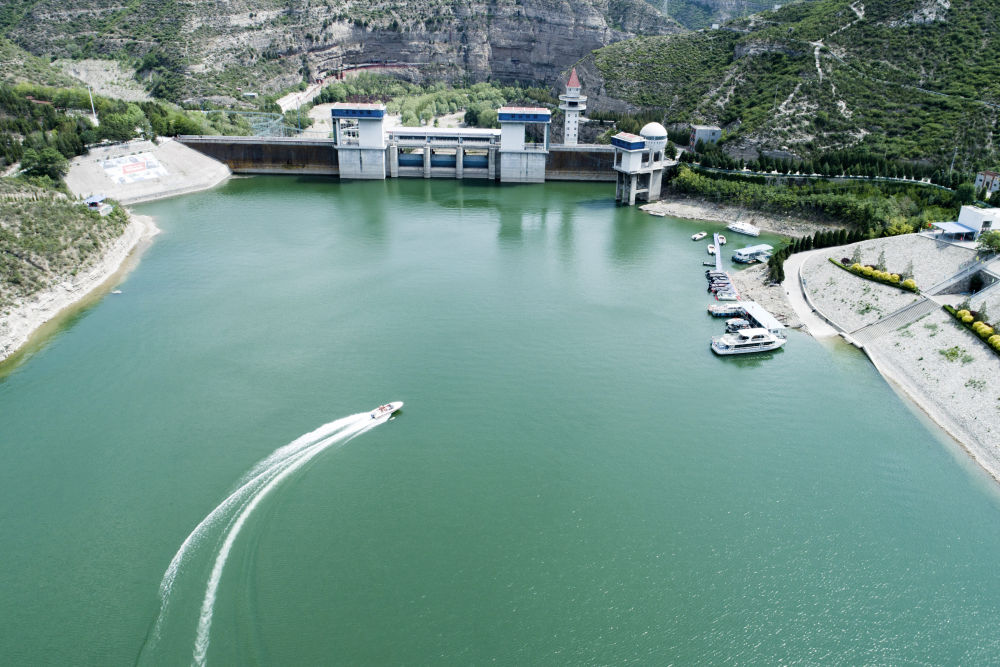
[699,236]
[743,228]
[383,412]
[727,296]
[711,249]
[722,240]
[736,323]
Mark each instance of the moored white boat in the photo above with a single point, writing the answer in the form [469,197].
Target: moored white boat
[699,236]
[722,240]
[711,249]
[725,309]
[746,341]
[383,412]
[743,228]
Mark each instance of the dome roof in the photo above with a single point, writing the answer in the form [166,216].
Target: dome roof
[653,131]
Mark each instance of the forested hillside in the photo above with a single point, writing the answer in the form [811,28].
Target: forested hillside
[911,79]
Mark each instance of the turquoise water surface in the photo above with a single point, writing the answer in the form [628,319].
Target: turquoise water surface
[574,479]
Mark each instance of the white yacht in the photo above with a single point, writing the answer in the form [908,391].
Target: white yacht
[743,228]
[746,341]
[383,412]
[699,236]
[722,239]
[711,249]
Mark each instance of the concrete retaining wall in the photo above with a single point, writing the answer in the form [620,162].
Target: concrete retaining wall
[269,155]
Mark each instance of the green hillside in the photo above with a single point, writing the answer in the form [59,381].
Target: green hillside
[907,78]
[46,238]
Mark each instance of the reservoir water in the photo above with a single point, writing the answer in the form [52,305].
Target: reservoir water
[574,479]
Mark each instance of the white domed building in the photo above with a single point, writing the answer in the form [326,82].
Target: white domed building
[639,162]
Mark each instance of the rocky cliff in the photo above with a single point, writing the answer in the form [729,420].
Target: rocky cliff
[267,45]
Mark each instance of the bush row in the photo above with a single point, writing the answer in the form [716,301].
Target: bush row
[884,277]
[969,320]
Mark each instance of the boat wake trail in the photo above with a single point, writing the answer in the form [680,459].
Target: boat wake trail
[231,514]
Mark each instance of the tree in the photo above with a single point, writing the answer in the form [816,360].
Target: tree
[965,193]
[990,241]
[46,162]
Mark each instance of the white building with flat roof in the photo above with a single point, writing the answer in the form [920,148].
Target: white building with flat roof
[979,220]
[988,179]
[707,134]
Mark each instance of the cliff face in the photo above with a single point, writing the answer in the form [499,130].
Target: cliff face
[508,40]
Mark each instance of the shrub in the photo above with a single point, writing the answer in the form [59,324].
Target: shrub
[961,314]
[857,268]
[868,271]
[994,340]
[967,319]
[894,277]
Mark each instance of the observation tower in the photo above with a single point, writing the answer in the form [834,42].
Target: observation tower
[573,104]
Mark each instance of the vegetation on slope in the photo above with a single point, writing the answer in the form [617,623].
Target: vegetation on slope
[39,118]
[419,104]
[878,208]
[46,238]
[909,79]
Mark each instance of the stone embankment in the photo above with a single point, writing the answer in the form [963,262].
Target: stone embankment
[942,367]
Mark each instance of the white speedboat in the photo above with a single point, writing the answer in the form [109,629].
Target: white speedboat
[722,239]
[711,249]
[746,341]
[743,228]
[383,412]
[699,236]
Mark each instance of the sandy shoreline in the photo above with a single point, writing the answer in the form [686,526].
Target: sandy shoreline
[26,318]
[698,209]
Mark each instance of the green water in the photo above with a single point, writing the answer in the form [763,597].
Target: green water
[575,478]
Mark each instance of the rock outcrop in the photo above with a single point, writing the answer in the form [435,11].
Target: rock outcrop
[506,40]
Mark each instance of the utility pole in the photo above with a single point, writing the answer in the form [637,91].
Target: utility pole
[92,110]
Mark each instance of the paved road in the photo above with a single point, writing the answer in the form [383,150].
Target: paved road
[793,289]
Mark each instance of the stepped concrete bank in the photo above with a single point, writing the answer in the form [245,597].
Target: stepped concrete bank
[278,155]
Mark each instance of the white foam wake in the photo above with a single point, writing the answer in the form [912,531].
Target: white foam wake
[250,488]
[287,466]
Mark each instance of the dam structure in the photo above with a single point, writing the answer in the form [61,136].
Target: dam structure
[363,148]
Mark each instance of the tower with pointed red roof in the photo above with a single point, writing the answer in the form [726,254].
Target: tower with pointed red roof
[572,104]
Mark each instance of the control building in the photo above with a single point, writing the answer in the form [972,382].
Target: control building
[359,139]
[520,161]
[639,163]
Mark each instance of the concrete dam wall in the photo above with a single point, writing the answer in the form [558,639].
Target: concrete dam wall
[276,155]
[269,155]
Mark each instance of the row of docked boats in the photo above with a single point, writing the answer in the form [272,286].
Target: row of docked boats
[721,285]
